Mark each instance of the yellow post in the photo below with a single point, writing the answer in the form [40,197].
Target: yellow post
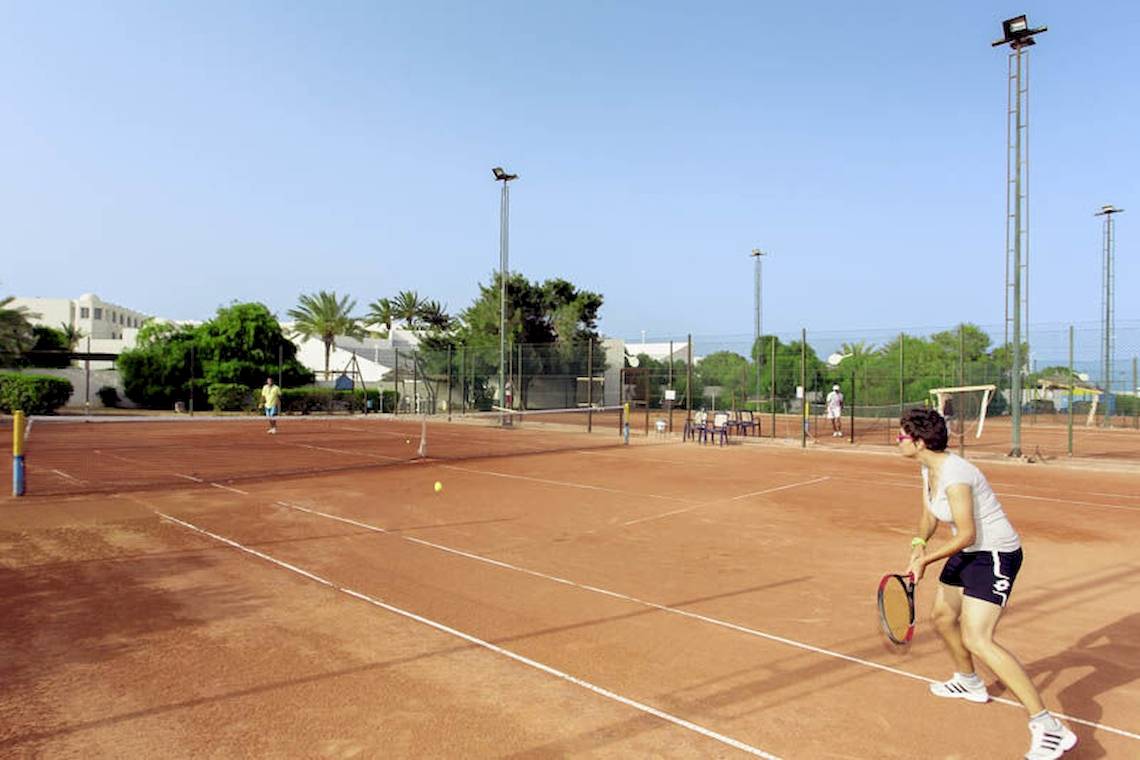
[18,453]
[625,422]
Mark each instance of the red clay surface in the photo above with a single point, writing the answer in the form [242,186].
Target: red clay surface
[730,589]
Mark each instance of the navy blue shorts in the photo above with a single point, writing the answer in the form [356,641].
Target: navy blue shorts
[983,575]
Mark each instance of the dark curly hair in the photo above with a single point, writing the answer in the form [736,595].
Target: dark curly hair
[926,425]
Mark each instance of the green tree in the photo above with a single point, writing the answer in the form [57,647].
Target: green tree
[407,305]
[16,335]
[50,349]
[435,315]
[324,316]
[240,345]
[553,322]
[727,370]
[380,312]
[72,333]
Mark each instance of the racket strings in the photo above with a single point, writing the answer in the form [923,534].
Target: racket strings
[896,610]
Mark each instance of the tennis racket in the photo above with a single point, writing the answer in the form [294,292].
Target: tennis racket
[896,607]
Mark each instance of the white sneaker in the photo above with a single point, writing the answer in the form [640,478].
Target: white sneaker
[956,688]
[1049,743]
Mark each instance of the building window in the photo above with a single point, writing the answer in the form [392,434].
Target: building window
[84,312]
[98,313]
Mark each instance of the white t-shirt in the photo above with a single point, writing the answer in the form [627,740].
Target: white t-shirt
[993,529]
[834,403]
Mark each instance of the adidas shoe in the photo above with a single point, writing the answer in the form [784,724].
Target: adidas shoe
[1049,743]
[958,688]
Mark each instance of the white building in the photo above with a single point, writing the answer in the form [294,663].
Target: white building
[98,319]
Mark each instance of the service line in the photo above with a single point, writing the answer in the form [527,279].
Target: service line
[722,501]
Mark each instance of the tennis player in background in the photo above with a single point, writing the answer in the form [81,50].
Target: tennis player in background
[982,557]
[835,411]
[271,401]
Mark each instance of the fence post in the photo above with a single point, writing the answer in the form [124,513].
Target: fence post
[669,404]
[851,406]
[396,404]
[772,402]
[689,383]
[803,387]
[449,382]
[191,379]
[589,386]
[1071,390]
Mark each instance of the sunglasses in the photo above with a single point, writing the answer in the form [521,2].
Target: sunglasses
[902,438]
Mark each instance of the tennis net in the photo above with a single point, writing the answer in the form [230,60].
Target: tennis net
[105,455]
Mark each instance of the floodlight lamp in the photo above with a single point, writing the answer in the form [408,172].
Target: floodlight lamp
[502,176]
[1017,33]
[1107,209]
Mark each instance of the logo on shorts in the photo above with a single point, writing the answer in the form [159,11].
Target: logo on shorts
[1001,586]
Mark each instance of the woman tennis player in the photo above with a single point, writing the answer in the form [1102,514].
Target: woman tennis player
[983,556]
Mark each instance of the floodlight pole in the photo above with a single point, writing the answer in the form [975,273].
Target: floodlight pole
[1016,33]
[757,254]
[1108,278]
[504,269]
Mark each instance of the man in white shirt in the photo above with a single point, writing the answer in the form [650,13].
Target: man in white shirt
[835,411]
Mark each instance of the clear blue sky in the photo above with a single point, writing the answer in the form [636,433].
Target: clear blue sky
[173,157]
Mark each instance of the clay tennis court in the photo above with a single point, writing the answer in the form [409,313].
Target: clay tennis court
[201,589]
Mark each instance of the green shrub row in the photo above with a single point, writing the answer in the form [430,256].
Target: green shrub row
[32,394]
[309,400]
[232,397]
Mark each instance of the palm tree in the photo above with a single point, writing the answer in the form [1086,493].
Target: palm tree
[71,334]
[325,316]
[380,313]
[16,334]
[435,315]
[406,306]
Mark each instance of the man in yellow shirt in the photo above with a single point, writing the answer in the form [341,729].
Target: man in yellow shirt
[271,400]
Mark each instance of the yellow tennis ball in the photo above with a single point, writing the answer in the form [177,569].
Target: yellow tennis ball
[438,486]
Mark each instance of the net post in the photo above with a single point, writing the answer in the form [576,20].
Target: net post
[625,423]
[396,384]
[449,382]
[18,453]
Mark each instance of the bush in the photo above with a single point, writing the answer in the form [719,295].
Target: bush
[109,396]
[33,394]
[229,397]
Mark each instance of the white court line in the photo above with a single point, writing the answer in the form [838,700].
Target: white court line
[188,477]
[721,501]
[681,612]
[352,453]
[639,494]
[72,478]
[723,739]
[227,488]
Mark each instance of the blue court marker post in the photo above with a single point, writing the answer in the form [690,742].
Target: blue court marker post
[625,423]
[18,454]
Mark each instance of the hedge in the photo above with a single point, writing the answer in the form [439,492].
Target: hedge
[32,394]
[325,400]
[230,397]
